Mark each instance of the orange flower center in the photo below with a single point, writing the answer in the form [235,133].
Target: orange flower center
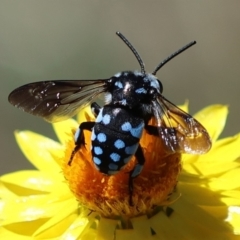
[109,195]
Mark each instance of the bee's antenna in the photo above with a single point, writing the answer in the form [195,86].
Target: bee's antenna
[172,56]
[134,51]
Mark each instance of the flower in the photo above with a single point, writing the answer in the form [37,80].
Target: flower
[38,204]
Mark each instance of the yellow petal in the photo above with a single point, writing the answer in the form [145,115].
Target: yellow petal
[31,180]
[142,227]
[231,201]
[20,231]
[38,149]
[188,219]
[85,115]
[184,107]
[227,181]
[56,225]
[163,227]
[234,218]
[62,129]
[199,195]
[219,212]
[232,194]
[127,234]
[7,234]
[5,192]
[77,229]
[213,118]
[90,234]
[22,209]
[224,150]
[106,228]
[33,207]
[217,168]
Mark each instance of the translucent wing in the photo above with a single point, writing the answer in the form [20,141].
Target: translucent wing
[180,131]
[56,100]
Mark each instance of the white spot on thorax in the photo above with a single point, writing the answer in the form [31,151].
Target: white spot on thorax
[118,84]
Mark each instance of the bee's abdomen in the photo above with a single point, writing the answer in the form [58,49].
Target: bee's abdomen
[115,139]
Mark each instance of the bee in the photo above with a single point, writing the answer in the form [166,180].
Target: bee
[132,98]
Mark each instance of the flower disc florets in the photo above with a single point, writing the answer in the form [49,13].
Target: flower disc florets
[109,195]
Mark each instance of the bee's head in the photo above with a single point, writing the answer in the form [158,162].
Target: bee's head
[131,89]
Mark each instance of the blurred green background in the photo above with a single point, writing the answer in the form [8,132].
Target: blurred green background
[45,39]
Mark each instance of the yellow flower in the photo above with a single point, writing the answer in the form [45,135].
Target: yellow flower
[38,204]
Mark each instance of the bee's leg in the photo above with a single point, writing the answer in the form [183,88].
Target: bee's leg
[95,109]
[79,138]
[79,135]
[136,171]
[152,130]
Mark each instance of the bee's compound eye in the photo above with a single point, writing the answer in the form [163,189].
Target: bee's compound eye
[160,86]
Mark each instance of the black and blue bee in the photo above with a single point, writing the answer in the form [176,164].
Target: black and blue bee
[132,98]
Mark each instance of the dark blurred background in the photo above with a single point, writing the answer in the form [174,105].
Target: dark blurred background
[61,39]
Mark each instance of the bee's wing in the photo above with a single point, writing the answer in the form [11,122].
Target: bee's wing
[56,100]
[179,131]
